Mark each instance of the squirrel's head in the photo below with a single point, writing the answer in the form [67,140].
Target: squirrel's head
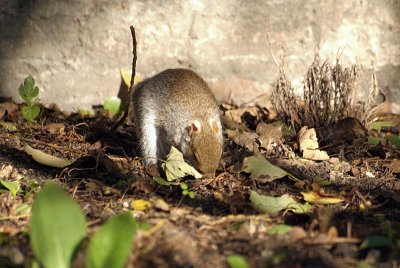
[205,147]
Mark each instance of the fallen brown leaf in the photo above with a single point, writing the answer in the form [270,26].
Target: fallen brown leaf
[55,128]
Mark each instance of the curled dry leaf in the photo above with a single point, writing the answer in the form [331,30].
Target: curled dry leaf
[175,166]
[308,139]
[308,143]
[272,205]
[244,139]
[7,108]
[394,165]
[236,114]
[161,204]
[269,134]
[46,159]
[55,128]
[318,198]
[316,155]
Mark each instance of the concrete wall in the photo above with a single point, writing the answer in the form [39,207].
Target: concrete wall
[74,49]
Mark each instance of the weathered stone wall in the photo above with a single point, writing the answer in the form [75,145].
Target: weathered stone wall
[74,49]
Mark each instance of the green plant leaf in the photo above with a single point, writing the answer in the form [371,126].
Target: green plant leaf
[23,209]
[365,264]
[192,194]
[30,112]
[237,261]
[394,140]
[378,125]
[373,140]
[376,241]
[184,186]
[57,227]
[28,90]
[111,245]
[261,169]
[279,229]
[161,181]
[12,186]
[112,104]
[86,113]
[175,166]
[273,205]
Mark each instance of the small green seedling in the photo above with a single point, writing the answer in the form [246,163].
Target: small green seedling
[86,113]
[237,261]
[112,105]
[29,92]
[12,186]
[186,191]
[184,187]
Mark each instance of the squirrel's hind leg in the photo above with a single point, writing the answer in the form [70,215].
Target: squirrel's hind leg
[148,139]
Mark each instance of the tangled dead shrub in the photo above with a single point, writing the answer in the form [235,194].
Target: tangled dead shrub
[284,100]
[328,96]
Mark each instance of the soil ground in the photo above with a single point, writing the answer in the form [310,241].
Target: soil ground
[220,221]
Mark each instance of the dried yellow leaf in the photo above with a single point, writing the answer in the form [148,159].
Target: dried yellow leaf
[317,198]
[46,159]
[140,204]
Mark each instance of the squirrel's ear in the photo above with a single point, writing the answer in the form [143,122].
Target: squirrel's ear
[214,124]
[194,127]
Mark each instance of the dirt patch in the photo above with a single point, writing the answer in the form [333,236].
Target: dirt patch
[106,176]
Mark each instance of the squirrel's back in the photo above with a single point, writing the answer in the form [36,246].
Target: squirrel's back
[181,87]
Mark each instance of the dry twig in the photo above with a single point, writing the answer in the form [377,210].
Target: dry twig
[134,59]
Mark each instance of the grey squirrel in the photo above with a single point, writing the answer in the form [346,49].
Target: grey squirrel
[177,108]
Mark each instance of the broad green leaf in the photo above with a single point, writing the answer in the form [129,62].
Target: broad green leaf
[12,186]
[57,227]
[30,112]
[317,198]
[46,159]
[261,169]
[376,241]
[112,104]
[175,166]
[373,140]
[28,90]
[237,261]
[161,181]
[394,140]
[279,229]
[378,125]
[273,205]
[111,245]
